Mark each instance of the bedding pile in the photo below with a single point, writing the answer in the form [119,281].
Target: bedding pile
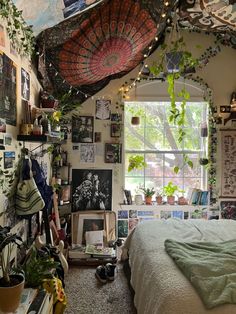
[210,267]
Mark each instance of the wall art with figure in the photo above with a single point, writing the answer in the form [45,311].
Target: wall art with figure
[91,189]
[82,129]
[7,89]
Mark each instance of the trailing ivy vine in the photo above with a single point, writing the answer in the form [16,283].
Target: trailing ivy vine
[20,34]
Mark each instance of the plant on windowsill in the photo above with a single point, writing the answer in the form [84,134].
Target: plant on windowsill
[169,191]
[148,193]
[159,197]
[11,284]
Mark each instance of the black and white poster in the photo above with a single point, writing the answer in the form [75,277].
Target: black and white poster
[25,85]
[103,109]
[91,189]
[82,129]
[7,89]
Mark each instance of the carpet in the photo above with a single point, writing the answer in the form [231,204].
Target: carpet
[86,295]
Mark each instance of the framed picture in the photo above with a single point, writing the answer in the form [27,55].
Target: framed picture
[123,230]
[103,109]
[113,153]
[7,89]
[227,208]
[87,153]
[116,117]
[115,130]
[91,189]
[93,221]
[82,129]
[9,158]
[25,85]
[228,167]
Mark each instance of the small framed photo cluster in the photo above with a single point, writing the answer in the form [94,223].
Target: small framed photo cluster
[116,125]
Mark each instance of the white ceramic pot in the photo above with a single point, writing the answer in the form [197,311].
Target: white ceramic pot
[138,199]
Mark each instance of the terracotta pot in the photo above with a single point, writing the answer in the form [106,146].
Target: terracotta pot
[148,200]
[10,296]
[159,200]
[182,201]
[171,200]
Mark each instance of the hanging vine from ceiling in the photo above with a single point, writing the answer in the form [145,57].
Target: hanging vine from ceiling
[20,34]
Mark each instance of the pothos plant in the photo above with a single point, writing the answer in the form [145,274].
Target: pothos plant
[18,31]
[186,62]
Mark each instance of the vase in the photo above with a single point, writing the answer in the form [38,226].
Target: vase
[138,199]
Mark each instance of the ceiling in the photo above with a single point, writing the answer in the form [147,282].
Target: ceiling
[83,44]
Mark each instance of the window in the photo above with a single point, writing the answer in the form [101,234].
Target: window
[155,138]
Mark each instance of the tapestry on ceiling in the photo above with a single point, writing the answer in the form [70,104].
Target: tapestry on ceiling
[7,89]
[212,16]
[88,50]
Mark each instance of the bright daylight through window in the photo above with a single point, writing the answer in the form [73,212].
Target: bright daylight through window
[156,140]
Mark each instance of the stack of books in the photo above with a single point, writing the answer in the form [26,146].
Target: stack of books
[198,197]
[100,251]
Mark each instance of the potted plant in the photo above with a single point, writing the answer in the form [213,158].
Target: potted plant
[136,162]
[169,190]
[11,285]
[148,193]
[159,197]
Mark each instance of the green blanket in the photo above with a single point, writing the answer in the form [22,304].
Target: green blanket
[210,267]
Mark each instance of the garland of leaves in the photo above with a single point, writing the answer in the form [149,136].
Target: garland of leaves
[20,34]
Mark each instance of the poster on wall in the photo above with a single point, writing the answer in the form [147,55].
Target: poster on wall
[25,85]
[7,89]
[87,153]
[228,166]
[91,189]
[103,109]
[82,129]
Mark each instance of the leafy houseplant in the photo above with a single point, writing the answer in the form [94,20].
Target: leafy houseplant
[159,197]
[136,162]
[169,190]
[148,193]
[11,285]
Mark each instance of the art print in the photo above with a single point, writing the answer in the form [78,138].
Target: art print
[115,130]
[91,189]
[116,117]
[165,214]
[82,129]
[9,158]
[123,228]
[7,139]
[227,208]
[122,214]
[228,167]
[87,153]
[133,223]
[7,89]
[133,213]
[113,153]
[103,109]
[145,213]
[25,85]
[177,214]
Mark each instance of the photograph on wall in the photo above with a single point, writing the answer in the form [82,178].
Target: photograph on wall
[113,153]
[122,214]
[7,139]
[123,228]
[228,166]
[133,223]
[2,125]
[91,189]
[103,109]
[177,214]
[116,117]
[133,213]
[2,36]
[25,85]
[228,208]
[115,130]
[9,158]
[87,153]
[7,89]
[165,214]
[82,129]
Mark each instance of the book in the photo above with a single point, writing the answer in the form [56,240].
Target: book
[204,198]
[99,251]
[27,298]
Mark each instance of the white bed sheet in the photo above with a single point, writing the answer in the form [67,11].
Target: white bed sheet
[160,287]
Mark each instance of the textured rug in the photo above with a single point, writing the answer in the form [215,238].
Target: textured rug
[86,295]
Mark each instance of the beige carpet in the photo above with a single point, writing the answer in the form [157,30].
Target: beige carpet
[86,295]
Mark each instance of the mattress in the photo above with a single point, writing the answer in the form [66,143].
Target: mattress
[160,287]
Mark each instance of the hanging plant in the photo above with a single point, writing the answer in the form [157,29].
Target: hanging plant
[20,34]
[136,162]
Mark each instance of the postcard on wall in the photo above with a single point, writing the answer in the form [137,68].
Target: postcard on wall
[116,117]
[113,153]
[7,89]
[2,36]
[25,85]
[133,213]
[123,228]
[165,214]
[7,139]
[133,223]
[122,214]
[103,109]
[87,153]
[9,158]
[2,125]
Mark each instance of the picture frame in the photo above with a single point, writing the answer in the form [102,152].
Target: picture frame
[116,117]
[82,129]
[93,221]
[103,109]
[227,207]
[115,130]
[113,152]
[228,162]
[91,189]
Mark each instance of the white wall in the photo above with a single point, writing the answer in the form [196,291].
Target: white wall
[219,74]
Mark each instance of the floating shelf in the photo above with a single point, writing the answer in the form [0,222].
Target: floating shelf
[40,138]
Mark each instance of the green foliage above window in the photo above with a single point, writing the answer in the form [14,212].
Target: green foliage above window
[20,34]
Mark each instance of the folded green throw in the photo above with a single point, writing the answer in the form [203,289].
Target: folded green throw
[210,267]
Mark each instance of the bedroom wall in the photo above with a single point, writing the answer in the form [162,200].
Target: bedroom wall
[20,62]
[219,74]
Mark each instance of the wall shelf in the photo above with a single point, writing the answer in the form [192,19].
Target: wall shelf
[40,138]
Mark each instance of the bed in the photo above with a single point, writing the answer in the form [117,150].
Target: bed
[159,286]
